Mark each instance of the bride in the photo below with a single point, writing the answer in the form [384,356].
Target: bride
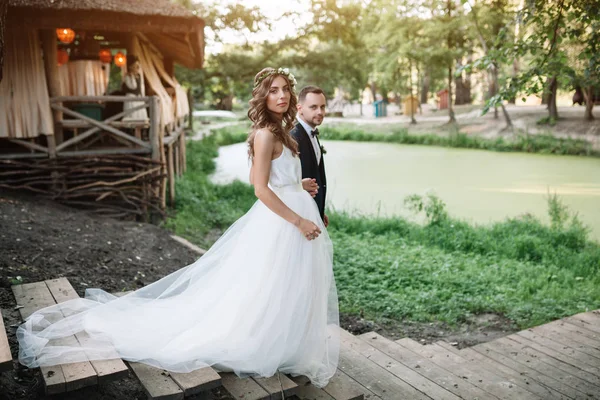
[261,300]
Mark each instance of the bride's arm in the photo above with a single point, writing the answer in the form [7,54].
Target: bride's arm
[264,143]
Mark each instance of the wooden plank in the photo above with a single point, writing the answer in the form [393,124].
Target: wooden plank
[33,296]
[582,360]
[183,152]
[6,363]
[375,378]
[273,386]
[154,132]
[306,391]
[102,152]
[413,378]
[588,321]
[493,384]
[570,385]
[73,376]
[30,145]
[343,387]
[245,389]
[188,244]
[122,99]
[15,156]
[581,331]
[101,125]
[171,175]
[81,374]
[518,377]
[157,383]
[565,337]
[83,124]
[197,381]
[504,357]
[177,161]
[106,370]
[561,361]
[428,369]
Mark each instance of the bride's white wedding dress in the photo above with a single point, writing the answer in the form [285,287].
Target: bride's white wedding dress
[262,299]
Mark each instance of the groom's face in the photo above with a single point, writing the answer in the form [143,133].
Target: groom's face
[312,109]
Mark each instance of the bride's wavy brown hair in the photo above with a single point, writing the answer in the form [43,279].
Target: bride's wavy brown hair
[262,117]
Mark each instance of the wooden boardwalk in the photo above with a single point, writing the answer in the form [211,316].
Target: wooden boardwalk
[558,360]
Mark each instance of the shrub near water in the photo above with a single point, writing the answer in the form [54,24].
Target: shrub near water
[545,144]
[445,270]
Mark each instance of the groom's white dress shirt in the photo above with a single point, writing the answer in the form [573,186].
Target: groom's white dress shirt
[313,139]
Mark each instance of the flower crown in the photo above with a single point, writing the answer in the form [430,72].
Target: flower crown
[278,71]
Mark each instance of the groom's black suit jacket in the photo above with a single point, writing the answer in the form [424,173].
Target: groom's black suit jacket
[310,167]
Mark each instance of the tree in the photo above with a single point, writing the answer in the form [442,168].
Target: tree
[550,30]
[583,35]
[492,35]
[230,73]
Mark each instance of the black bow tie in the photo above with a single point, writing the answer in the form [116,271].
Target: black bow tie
[314,133]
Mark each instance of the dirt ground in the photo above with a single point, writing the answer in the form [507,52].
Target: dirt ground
[42,240]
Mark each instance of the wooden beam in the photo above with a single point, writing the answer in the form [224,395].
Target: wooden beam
[6,363]
[91,131]
[102,20]
[106,370]
[29,145]
[101,125]
[155,128]
[124,99]
[171,174]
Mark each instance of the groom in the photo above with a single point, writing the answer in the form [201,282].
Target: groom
[311,111]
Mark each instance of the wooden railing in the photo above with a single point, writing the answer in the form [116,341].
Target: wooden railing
[112,126]
[82,135]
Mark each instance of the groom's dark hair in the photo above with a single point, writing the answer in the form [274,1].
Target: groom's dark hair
[309,89]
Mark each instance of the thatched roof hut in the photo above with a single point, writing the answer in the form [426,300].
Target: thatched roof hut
[173,29]
[55,97]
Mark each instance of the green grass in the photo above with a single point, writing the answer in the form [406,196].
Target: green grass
[544,144]
[445,270]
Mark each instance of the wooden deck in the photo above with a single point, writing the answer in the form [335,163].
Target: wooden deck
[558,360]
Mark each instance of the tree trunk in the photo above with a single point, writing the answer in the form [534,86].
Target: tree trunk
[425,86]
[588,94]
[509,124]
[410,96]
[3,12]
[494,88]
[450,107]
[374,91]
[513,98]
[463,87]
[552,109]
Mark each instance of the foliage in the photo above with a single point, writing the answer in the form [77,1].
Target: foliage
[538,143]
[445,270]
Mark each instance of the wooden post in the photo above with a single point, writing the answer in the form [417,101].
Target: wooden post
[171,174]
[154,130]
[191,114]
[183,155]
[155,143]
[177,161]
[50,49]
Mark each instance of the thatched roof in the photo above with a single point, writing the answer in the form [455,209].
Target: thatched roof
[174,29]
[163,8]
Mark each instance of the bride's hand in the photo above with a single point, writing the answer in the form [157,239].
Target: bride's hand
[310,185]
[309,229]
